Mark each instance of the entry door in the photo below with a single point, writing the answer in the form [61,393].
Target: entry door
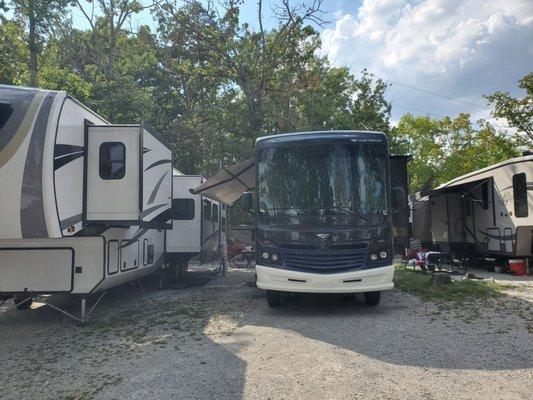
[113,173]
[508,237]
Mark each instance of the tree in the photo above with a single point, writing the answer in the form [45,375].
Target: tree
[40,17]
[447,148]
[517,112]
[13,63]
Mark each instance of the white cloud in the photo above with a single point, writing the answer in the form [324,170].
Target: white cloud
[460,48]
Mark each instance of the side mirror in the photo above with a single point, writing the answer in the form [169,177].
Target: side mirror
[247,201]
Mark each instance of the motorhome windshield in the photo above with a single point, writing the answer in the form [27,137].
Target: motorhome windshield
[325,179]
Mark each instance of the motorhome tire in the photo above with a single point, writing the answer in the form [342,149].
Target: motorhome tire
[22,303]
[273,298]
[372,298]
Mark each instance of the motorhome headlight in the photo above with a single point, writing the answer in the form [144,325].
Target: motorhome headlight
[265,255]
[373,257]
[383,254]
[274,257]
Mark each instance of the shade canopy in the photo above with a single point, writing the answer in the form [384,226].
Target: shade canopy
[229,184]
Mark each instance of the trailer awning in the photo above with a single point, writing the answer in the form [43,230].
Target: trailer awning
[228,185]
[465,188]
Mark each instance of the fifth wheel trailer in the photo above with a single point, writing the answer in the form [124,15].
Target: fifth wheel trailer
[199,228]
[486,213]
[83,204]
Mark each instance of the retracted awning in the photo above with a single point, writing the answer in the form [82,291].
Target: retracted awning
[463,187]
[228,185]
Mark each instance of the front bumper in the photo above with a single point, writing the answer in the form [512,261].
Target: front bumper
[368,280]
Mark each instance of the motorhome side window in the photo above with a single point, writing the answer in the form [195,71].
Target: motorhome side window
[485,196]
[5,112]
[398,197]
[182,209]
[214,215]
[520,195]
[112,160]
[207,209]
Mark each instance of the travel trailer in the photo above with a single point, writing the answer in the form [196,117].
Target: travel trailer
[199,228]
[323,219]
[84,204]
[486,213]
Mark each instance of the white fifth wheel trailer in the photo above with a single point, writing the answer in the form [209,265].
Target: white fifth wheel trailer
[486,213]
[83,204]
[199,226]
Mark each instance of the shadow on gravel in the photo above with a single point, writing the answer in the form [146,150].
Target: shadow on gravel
[135,346]
[403,330]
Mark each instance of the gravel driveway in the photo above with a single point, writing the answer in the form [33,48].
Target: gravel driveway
[221,341]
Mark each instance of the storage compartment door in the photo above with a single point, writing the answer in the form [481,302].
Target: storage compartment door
[36,270]
[113,173]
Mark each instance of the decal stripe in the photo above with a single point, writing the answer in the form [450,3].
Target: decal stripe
[151,209]
[134,239]
[160,162]
[64,160]
[16,131]
[146,150]
[70,221]
[156,189]
[32,219]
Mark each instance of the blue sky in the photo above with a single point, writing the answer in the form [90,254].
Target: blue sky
[440,56]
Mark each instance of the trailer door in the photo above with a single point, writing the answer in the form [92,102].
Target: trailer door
[112,173]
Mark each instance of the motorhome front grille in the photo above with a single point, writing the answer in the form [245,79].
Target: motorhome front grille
[323,261]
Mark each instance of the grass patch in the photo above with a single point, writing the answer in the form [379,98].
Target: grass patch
[459,291]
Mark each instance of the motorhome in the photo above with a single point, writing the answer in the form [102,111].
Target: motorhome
[486,213]
[322,209]
[84,204]
[199,229]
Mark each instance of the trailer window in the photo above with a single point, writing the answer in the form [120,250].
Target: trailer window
[214,215]
[150,254]
[520,195]
[182,209]
[485,196]
[112,160]
[468,207]
[207,209]
[5,113]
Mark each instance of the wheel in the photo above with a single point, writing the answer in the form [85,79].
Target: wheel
[372,298]
[273,298]
[21,304]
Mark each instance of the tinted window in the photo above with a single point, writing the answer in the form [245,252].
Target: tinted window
[398,197]
[112,160]
[520,195]
[150,254]
[5,113]
[215,212]
[485,196]
[182,209]
[207,209]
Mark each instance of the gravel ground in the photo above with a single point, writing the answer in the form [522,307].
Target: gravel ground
[221,341]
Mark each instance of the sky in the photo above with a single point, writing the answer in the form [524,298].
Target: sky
[439,56]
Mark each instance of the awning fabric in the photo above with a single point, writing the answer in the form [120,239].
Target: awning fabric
[228,185]
[464,187]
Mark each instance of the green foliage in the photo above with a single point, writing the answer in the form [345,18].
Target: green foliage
[447,148]
[211,85]
[518,112]
[13,62]
[459,291]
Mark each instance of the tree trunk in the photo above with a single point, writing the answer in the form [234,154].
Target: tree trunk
[32,46]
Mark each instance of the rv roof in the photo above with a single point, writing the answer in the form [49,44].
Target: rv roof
[297,136]
[471,176]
